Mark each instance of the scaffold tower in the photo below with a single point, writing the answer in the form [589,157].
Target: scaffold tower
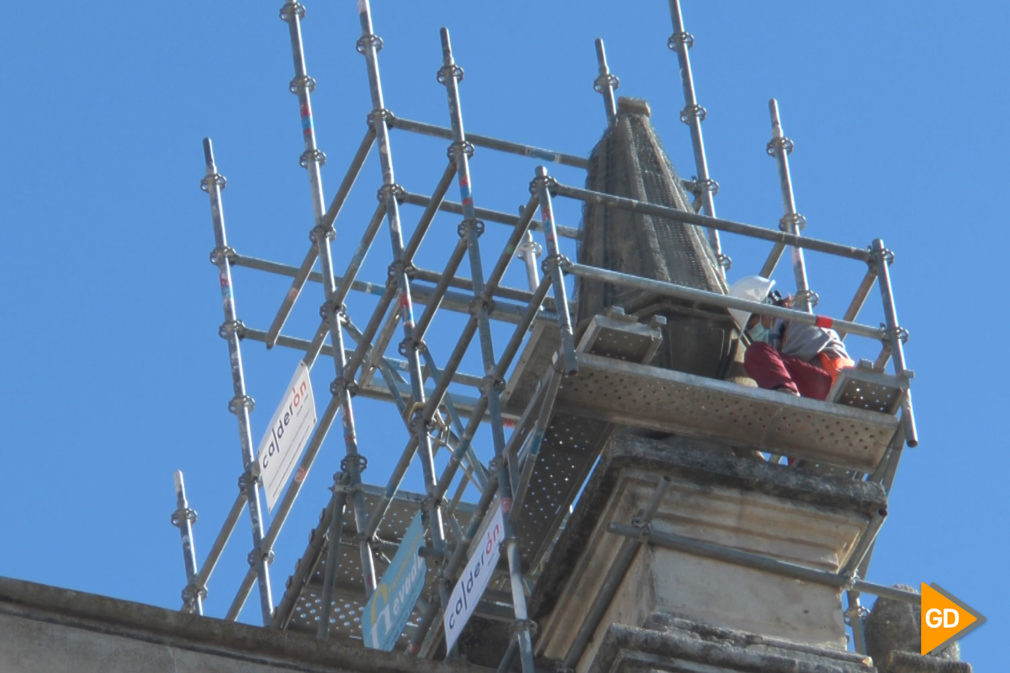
[507,362]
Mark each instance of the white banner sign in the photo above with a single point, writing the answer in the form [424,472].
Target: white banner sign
[474,579]
[289,431]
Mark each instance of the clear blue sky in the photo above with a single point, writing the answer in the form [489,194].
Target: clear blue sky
[112,372]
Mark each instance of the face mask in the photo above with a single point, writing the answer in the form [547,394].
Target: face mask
[759,333]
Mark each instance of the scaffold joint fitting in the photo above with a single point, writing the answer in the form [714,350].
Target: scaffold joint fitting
[779,143]
[191,592]
[809,296]
[543,182]
[520,626]
[267,557]
[369,40]
[468,150]
[230,327]
[183,514]
[314,155]
[899,332]
[492,383]
[607,81]
[464,227]
[392,190]
[691,112]
[340,384]
[677,39]
[559,260]
[791,220]
[881,254]
[291,9]
[447,71]
[353,462]
[302,83]
[239,402]
[724,261]
[213,179]
[223,253]
[380,114]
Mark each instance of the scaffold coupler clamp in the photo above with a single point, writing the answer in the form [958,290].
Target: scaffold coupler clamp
[369,40]
[790,220]
[340,384]
[222,253]
[779,143]
[447,71]
[543,181]
[231,327]
[607,81]
[266,556]
[900,333]
[380,114]
[876,255]
[521,626]
[453,148]
[559,260]
[215,179]
[182,515]
[470,224]
[291,9]
[239,402]
[679,38]
[190,594]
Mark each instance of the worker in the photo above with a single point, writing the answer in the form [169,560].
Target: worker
[793,358]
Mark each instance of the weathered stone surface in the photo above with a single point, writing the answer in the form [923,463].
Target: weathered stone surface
[629,161]
[677,645]
[893,632]
[44,629]
[713,497]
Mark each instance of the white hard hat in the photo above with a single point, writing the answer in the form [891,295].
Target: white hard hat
[753,288]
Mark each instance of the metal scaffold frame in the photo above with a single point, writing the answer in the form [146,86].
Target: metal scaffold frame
[427,394]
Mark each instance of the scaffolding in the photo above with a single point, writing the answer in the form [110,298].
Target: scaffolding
[535,412]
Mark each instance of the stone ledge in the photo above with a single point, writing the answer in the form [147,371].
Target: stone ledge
[679,645]
[27,602]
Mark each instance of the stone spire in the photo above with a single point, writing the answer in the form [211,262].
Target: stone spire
[629,161]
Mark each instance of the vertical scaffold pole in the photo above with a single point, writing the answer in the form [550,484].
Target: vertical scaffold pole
[541,186]
[312,159]
[606,83]
[450,74]
[184,517]
[693,115]
[369,45]
[241,404]
[895,335]
[780,147]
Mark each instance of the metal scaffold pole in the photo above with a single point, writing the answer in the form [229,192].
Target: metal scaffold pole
[369,45]
[606,83]
[241,404]
[780,147]
[693,115]
[312,159]
[184,517]
[894,334]
[470,229]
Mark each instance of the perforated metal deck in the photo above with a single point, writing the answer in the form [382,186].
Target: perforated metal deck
[670,401]
[301,605]
[572,442]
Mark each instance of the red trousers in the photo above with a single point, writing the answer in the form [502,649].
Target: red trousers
[771,369]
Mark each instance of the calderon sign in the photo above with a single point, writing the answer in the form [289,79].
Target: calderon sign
[287,435]
[474,580]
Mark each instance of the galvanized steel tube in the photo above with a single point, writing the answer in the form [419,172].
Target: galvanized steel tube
[241,403]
